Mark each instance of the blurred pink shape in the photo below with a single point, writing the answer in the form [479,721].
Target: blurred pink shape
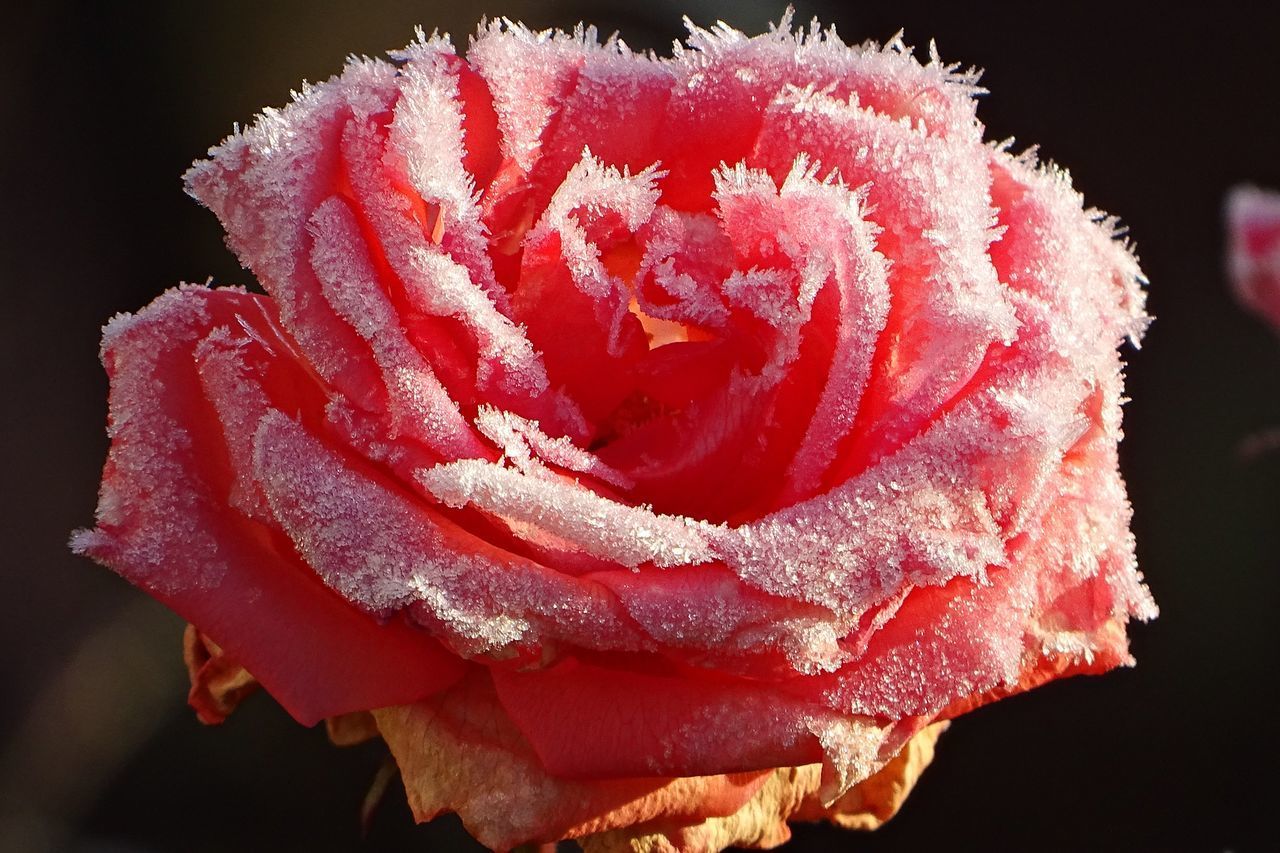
[1253,260]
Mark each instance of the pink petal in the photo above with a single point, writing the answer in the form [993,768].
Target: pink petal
[928,195]
[265,183]
[385,550]
[628,535]
[726,80]
[599,721]
[1253,229]
[419,405]
[704,615]
[163,523]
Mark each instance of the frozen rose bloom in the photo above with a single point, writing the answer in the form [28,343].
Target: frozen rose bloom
[648,450]
[1253,259]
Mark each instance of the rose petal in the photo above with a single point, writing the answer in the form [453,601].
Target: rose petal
[804,323]
[877,798]
[461,753]
[445,133]
[162,523]
[386,550]
[928,194]
[581,719]
[264,192]
[419,404]
[561,93]
[351,729]
[524,444]
[218,683]
[726,80]
[706,616]
[789,794]
[575,309]
[451,319]
[1056,607]
[631,536]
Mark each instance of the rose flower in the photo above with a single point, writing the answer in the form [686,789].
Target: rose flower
[1253,251]
[648,450]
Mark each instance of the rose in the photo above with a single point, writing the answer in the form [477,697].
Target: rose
[1253,266]
[1253,252]
[659,449]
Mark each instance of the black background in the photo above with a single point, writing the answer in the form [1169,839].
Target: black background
[1156,114]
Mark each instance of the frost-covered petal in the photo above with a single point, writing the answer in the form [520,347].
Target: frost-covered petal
[385,551]
[264,184]
[163,524]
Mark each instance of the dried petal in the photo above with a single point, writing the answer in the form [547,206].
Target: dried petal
[218,683]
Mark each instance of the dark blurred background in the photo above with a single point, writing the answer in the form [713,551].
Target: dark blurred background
[1155,113]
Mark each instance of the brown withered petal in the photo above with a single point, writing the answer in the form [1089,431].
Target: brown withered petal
[790,794]
[460,752]
[876,799]
[218,683]
[351,729]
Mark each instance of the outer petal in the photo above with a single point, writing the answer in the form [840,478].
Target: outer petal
[876,799]
[460,752]
[789,794]
[264,185]
[583,721]
[727,79]
[218,683]
[164,523]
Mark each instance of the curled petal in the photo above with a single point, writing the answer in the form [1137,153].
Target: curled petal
[351,729]
[631,536]
[878,797]
[218,683]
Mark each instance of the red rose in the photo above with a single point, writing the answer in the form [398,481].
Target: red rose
[1253,259]
[658,448]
